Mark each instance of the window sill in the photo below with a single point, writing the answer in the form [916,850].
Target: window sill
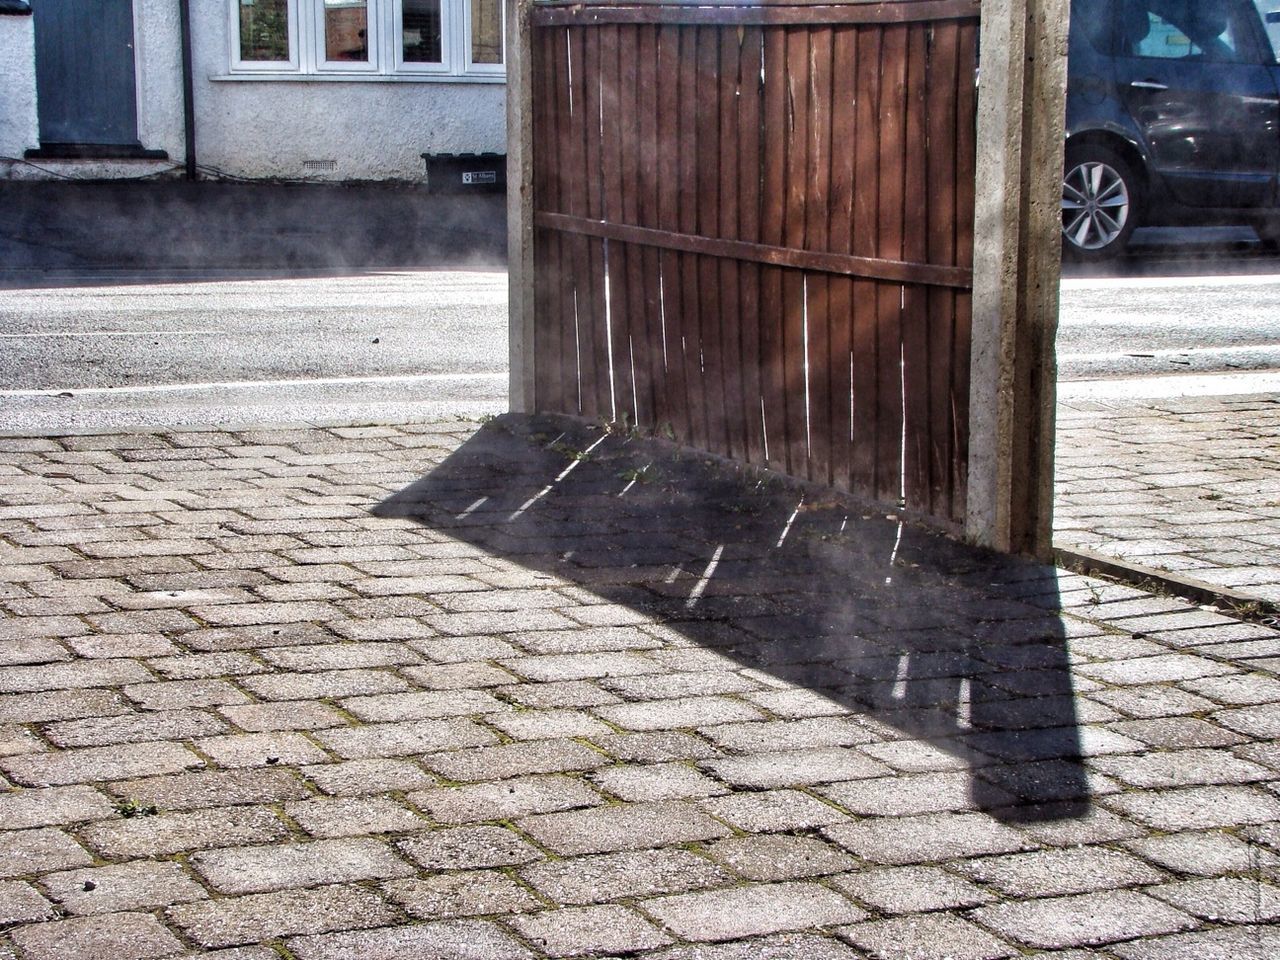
[94,151]
[357,78]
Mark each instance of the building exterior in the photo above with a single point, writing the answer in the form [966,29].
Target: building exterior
[259,89]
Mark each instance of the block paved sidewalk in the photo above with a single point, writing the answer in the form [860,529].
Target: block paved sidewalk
[1189,485]
[531,690]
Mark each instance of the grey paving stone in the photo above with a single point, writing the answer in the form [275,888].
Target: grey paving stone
[1090,919]
[679,713]
[78,674]
[195,666]
[324,684]
[458,676]
[751,911]
[776,811]
[590,640]
[910,889]
[1262,722]
[926,938]
[134,728]
[468,848]
[1067,825]
[23,809]
[1052,873]
[263,869]
[549,724]
[656,747]
[360,777]
[22,903]
[60,705]
[777,735]
[897,841]
[423,705]
[141,885]
[916,756]
[905,794]
[574,931]
[241,750]
[1160,669]
[505,799]
[772,857]
[1223,900]
[1208,854]
[340,656]
[1182,768]
[287,715]
[169,833]
[404,738]
[330,817]
[657,781]
[783,946]
[796,768]
[239,920]
[32,852]
[212,788]
[1238,689]
[99,763]
[455,939]
[1153,701]
[633,826]
[1197,808]
[1238,943]
[176,694]
[467,894]
[614,876]
[515,759]
[558,693]
[1179,733]
[117,936]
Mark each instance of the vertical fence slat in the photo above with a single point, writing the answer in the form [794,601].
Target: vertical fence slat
[571,248]
[772,323]
[595,367]
[708,207]
[941,249]
[844,87]
[690,273]
[647,210]
[793,281]
[639,399]
[617,256]
[817,237]
[669,219]
[915,342]
[865,244]
[966,161]
[893,94]
[730,311]
[750,102]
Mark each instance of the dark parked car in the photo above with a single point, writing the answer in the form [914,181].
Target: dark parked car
[1173,117]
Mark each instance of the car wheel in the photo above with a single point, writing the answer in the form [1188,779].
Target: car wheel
[1268,231]
[1101,195]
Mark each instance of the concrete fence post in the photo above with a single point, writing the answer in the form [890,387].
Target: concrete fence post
[1017,253]
[520,207]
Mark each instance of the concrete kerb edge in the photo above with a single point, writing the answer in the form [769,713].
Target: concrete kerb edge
[126,429]
[1238,604]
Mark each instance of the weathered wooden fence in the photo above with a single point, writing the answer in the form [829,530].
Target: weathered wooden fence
[754,224]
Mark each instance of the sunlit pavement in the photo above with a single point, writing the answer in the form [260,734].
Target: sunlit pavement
[528,690]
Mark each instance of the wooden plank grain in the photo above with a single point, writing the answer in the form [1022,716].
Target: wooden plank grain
[656,398]
[710,319]
[572,250]
[817,237]
[596,373]
[941,248]
[618,316]
[549,388]
[865,243]
[736,404]
[750,105]
[908,11]
[672,309]
[796,135]
[893,92]
[840,289]
[966,168]
[772,216]
[689,286]
[916,372]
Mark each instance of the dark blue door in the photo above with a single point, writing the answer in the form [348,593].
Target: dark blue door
[84,71]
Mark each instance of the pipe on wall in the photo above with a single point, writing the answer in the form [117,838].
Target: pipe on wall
[188,90]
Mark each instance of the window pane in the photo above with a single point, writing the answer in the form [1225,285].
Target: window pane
[486,31]
[421,36]
[346,30]
[264,30]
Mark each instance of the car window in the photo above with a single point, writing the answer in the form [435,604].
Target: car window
[1214,30]
[1269,11]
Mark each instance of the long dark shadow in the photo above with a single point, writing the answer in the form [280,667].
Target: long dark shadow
[955,646]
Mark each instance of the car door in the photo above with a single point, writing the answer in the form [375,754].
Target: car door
[1195,79]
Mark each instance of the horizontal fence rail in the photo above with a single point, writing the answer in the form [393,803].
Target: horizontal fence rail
[753,230]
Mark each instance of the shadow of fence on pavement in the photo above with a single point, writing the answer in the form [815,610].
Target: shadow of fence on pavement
[890,621]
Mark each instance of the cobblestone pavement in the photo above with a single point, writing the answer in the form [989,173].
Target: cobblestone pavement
[1189,485]
[428,692]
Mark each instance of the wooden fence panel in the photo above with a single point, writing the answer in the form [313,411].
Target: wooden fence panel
[754,231]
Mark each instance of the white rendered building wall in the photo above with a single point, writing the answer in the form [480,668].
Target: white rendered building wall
[18,125]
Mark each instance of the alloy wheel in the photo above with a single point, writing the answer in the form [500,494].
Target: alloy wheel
[1095,205]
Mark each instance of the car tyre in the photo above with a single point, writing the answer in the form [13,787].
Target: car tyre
[1101,202]
[1268,231]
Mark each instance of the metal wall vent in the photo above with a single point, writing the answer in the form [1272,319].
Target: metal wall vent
[319,166]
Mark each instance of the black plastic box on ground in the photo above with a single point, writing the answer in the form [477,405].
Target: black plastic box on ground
[466,172]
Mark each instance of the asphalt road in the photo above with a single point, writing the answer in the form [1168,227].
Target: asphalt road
[104,349]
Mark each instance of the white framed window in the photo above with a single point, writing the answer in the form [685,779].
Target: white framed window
[351,39]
